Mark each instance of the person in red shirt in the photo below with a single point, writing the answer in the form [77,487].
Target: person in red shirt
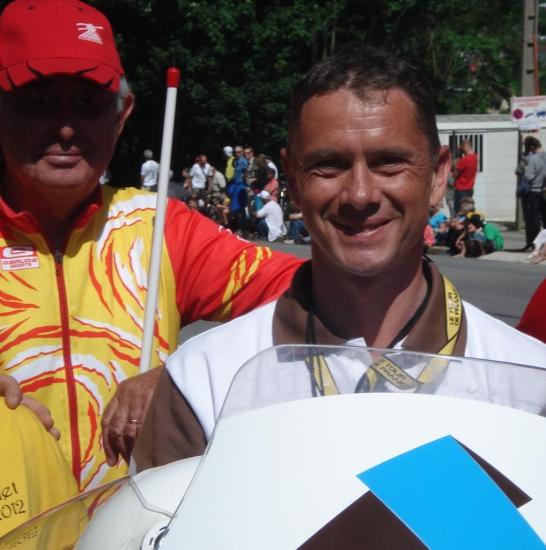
[272,185]
[465,174]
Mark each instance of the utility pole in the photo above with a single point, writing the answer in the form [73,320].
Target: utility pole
[529,73]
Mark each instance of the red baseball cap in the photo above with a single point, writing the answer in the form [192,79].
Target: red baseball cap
[40,38]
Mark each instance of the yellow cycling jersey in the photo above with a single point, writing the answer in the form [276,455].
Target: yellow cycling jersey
[71,314]
[29,486]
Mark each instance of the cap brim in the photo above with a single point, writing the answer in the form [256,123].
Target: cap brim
[24,73]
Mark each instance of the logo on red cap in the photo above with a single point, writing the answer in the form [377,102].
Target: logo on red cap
[89,32]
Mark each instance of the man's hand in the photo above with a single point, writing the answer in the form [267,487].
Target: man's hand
[13,396]
[125,414]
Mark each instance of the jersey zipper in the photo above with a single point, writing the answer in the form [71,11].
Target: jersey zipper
[67,356]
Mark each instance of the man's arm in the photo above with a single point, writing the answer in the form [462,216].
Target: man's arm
[532,167]
[130,402]
[459,167]
[171,430]
[219,276]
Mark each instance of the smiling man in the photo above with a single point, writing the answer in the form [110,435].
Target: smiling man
[364,164]
[74,255]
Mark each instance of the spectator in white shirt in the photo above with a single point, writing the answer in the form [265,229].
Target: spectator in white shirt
[270,222]
[149,172]
[201,175]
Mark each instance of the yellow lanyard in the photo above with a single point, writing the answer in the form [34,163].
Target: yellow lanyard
[385,368]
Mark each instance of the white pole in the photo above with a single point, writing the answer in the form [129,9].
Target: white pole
[173,79]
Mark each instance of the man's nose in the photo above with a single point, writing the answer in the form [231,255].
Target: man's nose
[65,119]
[360,190]
[66,131]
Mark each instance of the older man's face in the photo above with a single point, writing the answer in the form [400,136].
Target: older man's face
[58,134]
[362,173]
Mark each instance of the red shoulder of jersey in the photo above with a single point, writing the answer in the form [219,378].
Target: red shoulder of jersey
[219,275]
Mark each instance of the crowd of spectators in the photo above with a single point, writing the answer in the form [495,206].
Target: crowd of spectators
[243,195]
[246,196]
[460,227]
[467,233]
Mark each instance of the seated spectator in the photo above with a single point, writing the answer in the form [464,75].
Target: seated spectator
[270,222]
[428,238]
[495,239]
[439,224]
[272,185]
[217,184]
[193,202]
[297,232]
[457,225]
[225,211]
[472,242]
[215,210]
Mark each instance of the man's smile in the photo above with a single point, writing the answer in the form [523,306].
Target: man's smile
[351,228]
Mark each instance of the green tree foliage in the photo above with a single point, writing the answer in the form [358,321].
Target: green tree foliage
[239,61]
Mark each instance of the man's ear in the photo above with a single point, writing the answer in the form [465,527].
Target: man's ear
[440,175]
[293,191]
[123,115]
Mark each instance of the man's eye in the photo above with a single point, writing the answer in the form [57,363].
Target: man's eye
[327,168]
[35,104]
[91,106]
[387,164]
[39,104]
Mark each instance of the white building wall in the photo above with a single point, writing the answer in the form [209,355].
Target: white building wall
[495,190]
[495,187]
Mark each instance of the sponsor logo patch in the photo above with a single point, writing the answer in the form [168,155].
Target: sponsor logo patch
[88,32]
[13,258]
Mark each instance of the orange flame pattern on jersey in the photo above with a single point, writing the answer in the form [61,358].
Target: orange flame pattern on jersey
[104,269]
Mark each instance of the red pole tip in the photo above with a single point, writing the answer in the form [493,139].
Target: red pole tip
[173,77]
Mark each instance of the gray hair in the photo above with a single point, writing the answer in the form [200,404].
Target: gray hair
[123,92]
[148,154]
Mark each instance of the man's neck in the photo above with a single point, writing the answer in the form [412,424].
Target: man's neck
[54,211]
[376,308]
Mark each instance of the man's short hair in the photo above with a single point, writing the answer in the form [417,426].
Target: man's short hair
[148,154]
[363,69]
[531,142]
